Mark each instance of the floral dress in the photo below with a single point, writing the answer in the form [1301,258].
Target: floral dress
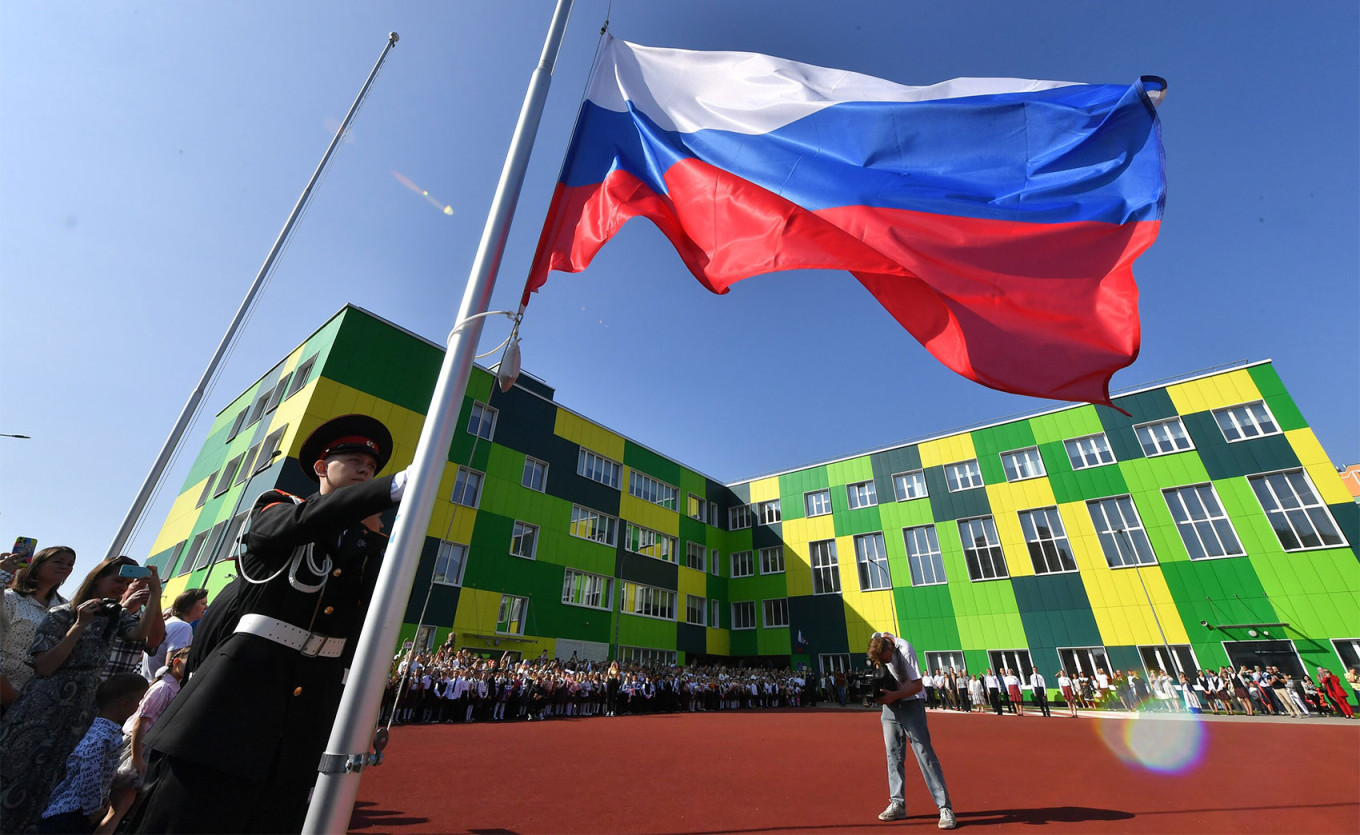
[51,715]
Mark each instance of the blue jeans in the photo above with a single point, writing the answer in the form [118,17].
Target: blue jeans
[905,720]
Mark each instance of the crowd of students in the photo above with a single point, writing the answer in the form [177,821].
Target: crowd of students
[461,686]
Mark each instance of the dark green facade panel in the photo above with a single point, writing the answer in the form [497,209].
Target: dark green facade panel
[524,422]
[1278,399]
[821,619]
[889,463]
[635,568]
[1347,518]
[391,365]
[1228,460]
[946,506]
[989,443]
[443,599]
[691,638]
[649,463]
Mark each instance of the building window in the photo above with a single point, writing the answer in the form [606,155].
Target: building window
[237,424]
[257,410]
[1247,421]
[227,548]
[713,560]
[271,446]
[207,489]
[834,662]
[1090,451]
[598,468]
[694,555]
[714,607]
[649,543]
[1021,464]
[964,475]
[739,517]
[951,660]
[1163,437]
[776,613]
[982,549]
[276,396]
[817,503]
[582,589]
[768,512]
[524,540]
[482,421]
[826,571]
[871,556]
[694,610]
[449,563]
[772,560]
[744,615]
[1046,539]
[467,487]
[1348,650]
[861,494]
[535,474]
[1086,660]
[650,490]
[1203,526]
[910,485]
[1121,533]
[211,546]
[1298,515]
[510,619]
[247,462]
[228,473]
[652,602]
[302,375]
[1181,660]
[593,525]
[1015,660]
[647,657]
[191,555]
[923,555]
[694,506]
[742,564]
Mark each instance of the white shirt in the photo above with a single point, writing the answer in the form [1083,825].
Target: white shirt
[1037,681]
[178,634]
[904,666]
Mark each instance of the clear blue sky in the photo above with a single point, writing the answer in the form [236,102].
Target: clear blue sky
[150,152]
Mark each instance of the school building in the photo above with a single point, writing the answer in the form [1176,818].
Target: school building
[1205,527]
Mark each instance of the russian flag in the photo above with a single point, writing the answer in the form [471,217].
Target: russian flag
[996,219]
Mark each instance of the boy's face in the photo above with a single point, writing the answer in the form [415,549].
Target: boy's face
[343,470]
[125,707]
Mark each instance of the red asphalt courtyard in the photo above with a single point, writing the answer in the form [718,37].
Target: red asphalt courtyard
[822,770]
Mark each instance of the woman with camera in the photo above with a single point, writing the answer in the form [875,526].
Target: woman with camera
[70,649]
[27,600]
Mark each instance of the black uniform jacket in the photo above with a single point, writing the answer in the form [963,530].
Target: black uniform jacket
[256,709]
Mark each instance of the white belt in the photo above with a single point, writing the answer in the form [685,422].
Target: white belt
[310,644]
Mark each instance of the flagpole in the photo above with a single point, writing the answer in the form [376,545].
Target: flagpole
[186,415]
[348,748]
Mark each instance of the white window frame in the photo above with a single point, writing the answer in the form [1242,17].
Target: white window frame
[1054,546]
[654,490]
[444,555]
[743,564]
[1271,487]
[906,485]
[583,516]
[512,616]
[228,473]
[769,512]
[647,656]
[1159,439]
[1023,464]
[302,375]
[714,609]
[747,617]
[861,494]
[1114,546]
[1247,421]
[516,534]
[1090,655]
[1353,646]
[870,564]
[271,445]
[477,415]
[647,540]
[1156,650]
[817,502]
[777,607]
[533,465]
[580,587]
[1089,451]
[739,517]
[954,476]
[653,602]
[1019,661]
[945,660]
[460,487]
[1191,525]
[917,561]
[826,567]
[598,468]
[833,662]
[772,560]
[691,606]
[992,548]
[714,560]
[693,561]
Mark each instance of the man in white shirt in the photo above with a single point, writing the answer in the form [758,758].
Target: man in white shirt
[1036,681]
[904,719]
[179,630]
[993,685]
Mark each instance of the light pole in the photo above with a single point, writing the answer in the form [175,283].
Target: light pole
[1138,569]
[24,437]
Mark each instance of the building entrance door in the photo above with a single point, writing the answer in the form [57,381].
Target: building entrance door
[1265,654]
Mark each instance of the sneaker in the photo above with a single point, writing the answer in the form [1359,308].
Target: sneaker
[895,812]
[947,819]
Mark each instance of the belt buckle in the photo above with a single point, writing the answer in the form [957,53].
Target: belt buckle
[313,645]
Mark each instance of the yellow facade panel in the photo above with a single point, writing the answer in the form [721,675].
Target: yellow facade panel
[718,641]
[690,581]
[1314,459]
[649,515]
[947,450]
[477,610]
[1214,392]
[179,522]
[765,489]
[589,435]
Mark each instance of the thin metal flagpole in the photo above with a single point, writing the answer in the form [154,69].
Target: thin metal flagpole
[348,747]
[186,415]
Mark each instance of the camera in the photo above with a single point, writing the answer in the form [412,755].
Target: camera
[875,683]
[110,608]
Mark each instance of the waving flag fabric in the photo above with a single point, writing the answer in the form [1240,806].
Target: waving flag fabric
[996,219]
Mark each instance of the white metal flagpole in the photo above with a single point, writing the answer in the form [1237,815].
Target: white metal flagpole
[349,745]
[196,396]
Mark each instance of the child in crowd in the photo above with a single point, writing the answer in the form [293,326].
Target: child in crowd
[78,802]
[132,759]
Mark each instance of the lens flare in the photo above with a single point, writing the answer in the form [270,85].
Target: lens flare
[1168,743]
[405,181]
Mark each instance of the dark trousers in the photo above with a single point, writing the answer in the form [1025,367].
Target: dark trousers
[186,797]
[66,822]
[1041,699]
[994,696]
